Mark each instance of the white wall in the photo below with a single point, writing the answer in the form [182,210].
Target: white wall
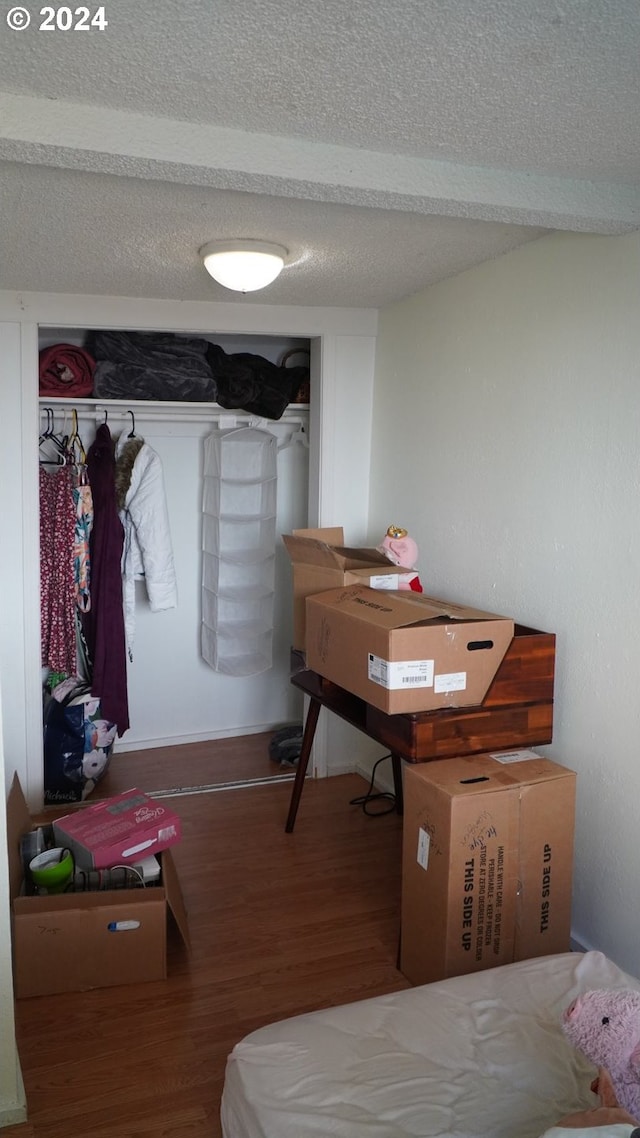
[12,1098]
[507,439]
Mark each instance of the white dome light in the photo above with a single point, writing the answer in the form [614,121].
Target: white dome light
[243,265]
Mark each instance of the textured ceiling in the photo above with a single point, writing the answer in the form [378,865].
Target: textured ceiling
[387,143]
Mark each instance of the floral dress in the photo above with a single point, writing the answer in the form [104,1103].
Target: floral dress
[57,577]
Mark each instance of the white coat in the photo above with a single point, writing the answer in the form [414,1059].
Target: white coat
[147,553]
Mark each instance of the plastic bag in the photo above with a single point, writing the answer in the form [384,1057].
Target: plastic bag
[78,742]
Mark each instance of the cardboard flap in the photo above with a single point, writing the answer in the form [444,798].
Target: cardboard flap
[391,609]
[175,900]
[351,558]
[331,535]
[18,823]
[314,547]
[447,610]
[309,551]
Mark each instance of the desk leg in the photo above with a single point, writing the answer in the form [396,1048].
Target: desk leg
[303,762]
[396,762]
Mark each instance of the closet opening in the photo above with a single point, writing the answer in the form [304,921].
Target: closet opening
[194,723]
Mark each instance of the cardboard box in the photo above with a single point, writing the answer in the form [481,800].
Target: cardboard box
[487,863]
[64,943]
[320,561]
[118,830]
[404,652]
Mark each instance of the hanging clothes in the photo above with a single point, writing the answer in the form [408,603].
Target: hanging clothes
[148,552]
[104,623]
[57,577]
[83,503]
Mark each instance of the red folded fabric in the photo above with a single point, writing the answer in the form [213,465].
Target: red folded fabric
[66,370]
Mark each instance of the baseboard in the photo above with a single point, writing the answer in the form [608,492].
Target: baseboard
[14,1114]
[384,775]
[122,746]
[578,946]
[340,768]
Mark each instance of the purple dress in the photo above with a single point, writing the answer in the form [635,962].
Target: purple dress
[103,625]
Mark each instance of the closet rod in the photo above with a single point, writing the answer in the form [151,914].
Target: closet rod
[146,409]
[110,414]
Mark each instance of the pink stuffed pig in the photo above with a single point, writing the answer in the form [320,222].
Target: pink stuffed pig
[402,550]
[605,1026]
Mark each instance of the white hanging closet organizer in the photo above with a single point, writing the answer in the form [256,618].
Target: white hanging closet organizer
[238,543]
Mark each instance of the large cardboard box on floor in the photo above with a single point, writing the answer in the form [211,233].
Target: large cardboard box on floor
[487,863]
[320,561]
[404,652]
[69,942]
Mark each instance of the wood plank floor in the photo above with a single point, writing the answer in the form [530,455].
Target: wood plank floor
[280,924]
[215,762]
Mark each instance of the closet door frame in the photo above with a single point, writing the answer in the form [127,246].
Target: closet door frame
[342,379]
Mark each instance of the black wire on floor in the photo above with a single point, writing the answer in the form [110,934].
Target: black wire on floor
[364,799]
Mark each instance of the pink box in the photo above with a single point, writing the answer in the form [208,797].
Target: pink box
[118,831]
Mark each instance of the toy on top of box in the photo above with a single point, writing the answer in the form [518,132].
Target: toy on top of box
[118,830]
[404,652]
[320,560]
[401,550]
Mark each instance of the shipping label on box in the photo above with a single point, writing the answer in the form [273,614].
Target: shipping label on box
[487,864]
[396,675]
[404,652]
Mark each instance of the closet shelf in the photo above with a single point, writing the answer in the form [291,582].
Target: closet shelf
[239,630]
[242,596]
[231,557]
[151,409]
[220,575]
[249,665]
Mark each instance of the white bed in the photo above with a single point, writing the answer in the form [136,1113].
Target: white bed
[479,1056]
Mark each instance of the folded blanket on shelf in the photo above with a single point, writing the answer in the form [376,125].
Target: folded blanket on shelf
[66,370]
[151,365]
[253,383]
[134,381]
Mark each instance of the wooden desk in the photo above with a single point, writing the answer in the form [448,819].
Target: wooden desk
[517,711]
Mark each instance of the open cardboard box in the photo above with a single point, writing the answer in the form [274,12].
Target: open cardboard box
[404,652]
[487,863]
[64,943]
[320,561]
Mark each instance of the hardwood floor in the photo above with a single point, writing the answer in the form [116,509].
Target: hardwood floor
[280,924]
[212,763]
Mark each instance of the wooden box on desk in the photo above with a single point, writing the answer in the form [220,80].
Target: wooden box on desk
[517,710]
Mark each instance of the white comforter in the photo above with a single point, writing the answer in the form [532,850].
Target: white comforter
[479,1056]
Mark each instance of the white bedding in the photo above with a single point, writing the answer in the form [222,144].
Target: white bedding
[479,1056]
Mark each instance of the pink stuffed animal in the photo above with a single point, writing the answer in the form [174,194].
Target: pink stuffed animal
[605,1026]
[403,552]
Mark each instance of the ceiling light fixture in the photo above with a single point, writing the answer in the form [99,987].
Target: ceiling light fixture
[243,265]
